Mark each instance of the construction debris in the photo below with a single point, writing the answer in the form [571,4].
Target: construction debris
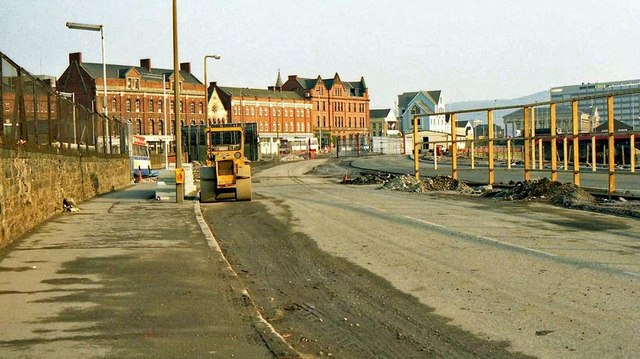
[69,205]
[370,178]
[545,190]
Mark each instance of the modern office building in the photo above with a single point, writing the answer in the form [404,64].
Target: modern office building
[626,108]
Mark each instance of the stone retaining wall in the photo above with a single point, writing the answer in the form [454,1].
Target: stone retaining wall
[34,184]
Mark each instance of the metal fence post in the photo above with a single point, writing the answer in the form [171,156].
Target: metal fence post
[491,169]
[576,143]
[554,143]
[612,148]
[454,148]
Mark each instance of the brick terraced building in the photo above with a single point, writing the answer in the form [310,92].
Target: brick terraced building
[340,109]
[136,94]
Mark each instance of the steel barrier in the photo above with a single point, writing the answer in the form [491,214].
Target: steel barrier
[613,145]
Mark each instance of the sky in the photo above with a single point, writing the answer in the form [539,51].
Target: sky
[469,49]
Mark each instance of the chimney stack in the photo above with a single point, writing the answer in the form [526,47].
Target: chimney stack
[293,77]
[185,66]
[75,57]
[146,63]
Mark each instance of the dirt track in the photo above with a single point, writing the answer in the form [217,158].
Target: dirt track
[528,278]
[325,305]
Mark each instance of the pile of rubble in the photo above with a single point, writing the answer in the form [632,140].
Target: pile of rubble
[291,157]
[439,183]
[545,190]
[369,178]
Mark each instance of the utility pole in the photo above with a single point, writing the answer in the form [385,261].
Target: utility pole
[176,108]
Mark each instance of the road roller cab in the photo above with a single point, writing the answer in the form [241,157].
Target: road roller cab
[226,173]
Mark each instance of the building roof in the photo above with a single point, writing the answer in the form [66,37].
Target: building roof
[617,126]
[406,97]
[353,88]
[119,71]
[260,93]
[379,113]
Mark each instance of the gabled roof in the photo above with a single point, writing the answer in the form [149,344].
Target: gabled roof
[406,97]
[617,126]
[353,88]
[260,93]
[119,71]
[307,83]
[379,113]
[435,95]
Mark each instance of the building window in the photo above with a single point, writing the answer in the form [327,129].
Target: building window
[201,110]
[152,127]
[253,111]
[138,126]
[150,105]
[114,105]
[160,108]
[192,107]
[172,106]
[161,127]
[173,126]
[246,111]
[181,107]
[128,105]
[137,105]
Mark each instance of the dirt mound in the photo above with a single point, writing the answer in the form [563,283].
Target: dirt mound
[545,190]
[439,183]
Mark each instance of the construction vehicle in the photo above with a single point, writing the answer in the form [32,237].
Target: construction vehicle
[226,173]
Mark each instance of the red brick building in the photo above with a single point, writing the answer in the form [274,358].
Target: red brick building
[283,115]
[340,108]
[137,94]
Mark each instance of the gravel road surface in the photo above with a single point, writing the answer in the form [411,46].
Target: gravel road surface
[359,272]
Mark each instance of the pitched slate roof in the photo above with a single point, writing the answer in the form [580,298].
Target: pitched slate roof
[353,88]
[617,126]
[119,71]
[260,93]
[406,97]
[379,113]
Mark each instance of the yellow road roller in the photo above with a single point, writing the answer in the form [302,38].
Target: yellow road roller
[226,173]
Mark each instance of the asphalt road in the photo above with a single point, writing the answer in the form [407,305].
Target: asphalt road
[542,280]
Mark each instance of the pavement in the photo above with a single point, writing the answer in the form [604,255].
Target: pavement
[125,277]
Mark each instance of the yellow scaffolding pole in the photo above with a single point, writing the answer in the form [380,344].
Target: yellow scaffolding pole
[611,147]
[576,143]
[554,144]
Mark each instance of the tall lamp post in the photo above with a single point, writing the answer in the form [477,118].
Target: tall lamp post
[176,99]
[206,91]
[91,27]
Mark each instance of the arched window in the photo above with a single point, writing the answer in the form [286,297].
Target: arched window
[160,108]
[161,127]
[138,126]
[114,105]
[152,125]
[137,105]
[150,105]
[192,107]
[201,107]
[173,127]
[128,105]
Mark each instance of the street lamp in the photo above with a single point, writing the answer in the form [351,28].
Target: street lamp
[90,27]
